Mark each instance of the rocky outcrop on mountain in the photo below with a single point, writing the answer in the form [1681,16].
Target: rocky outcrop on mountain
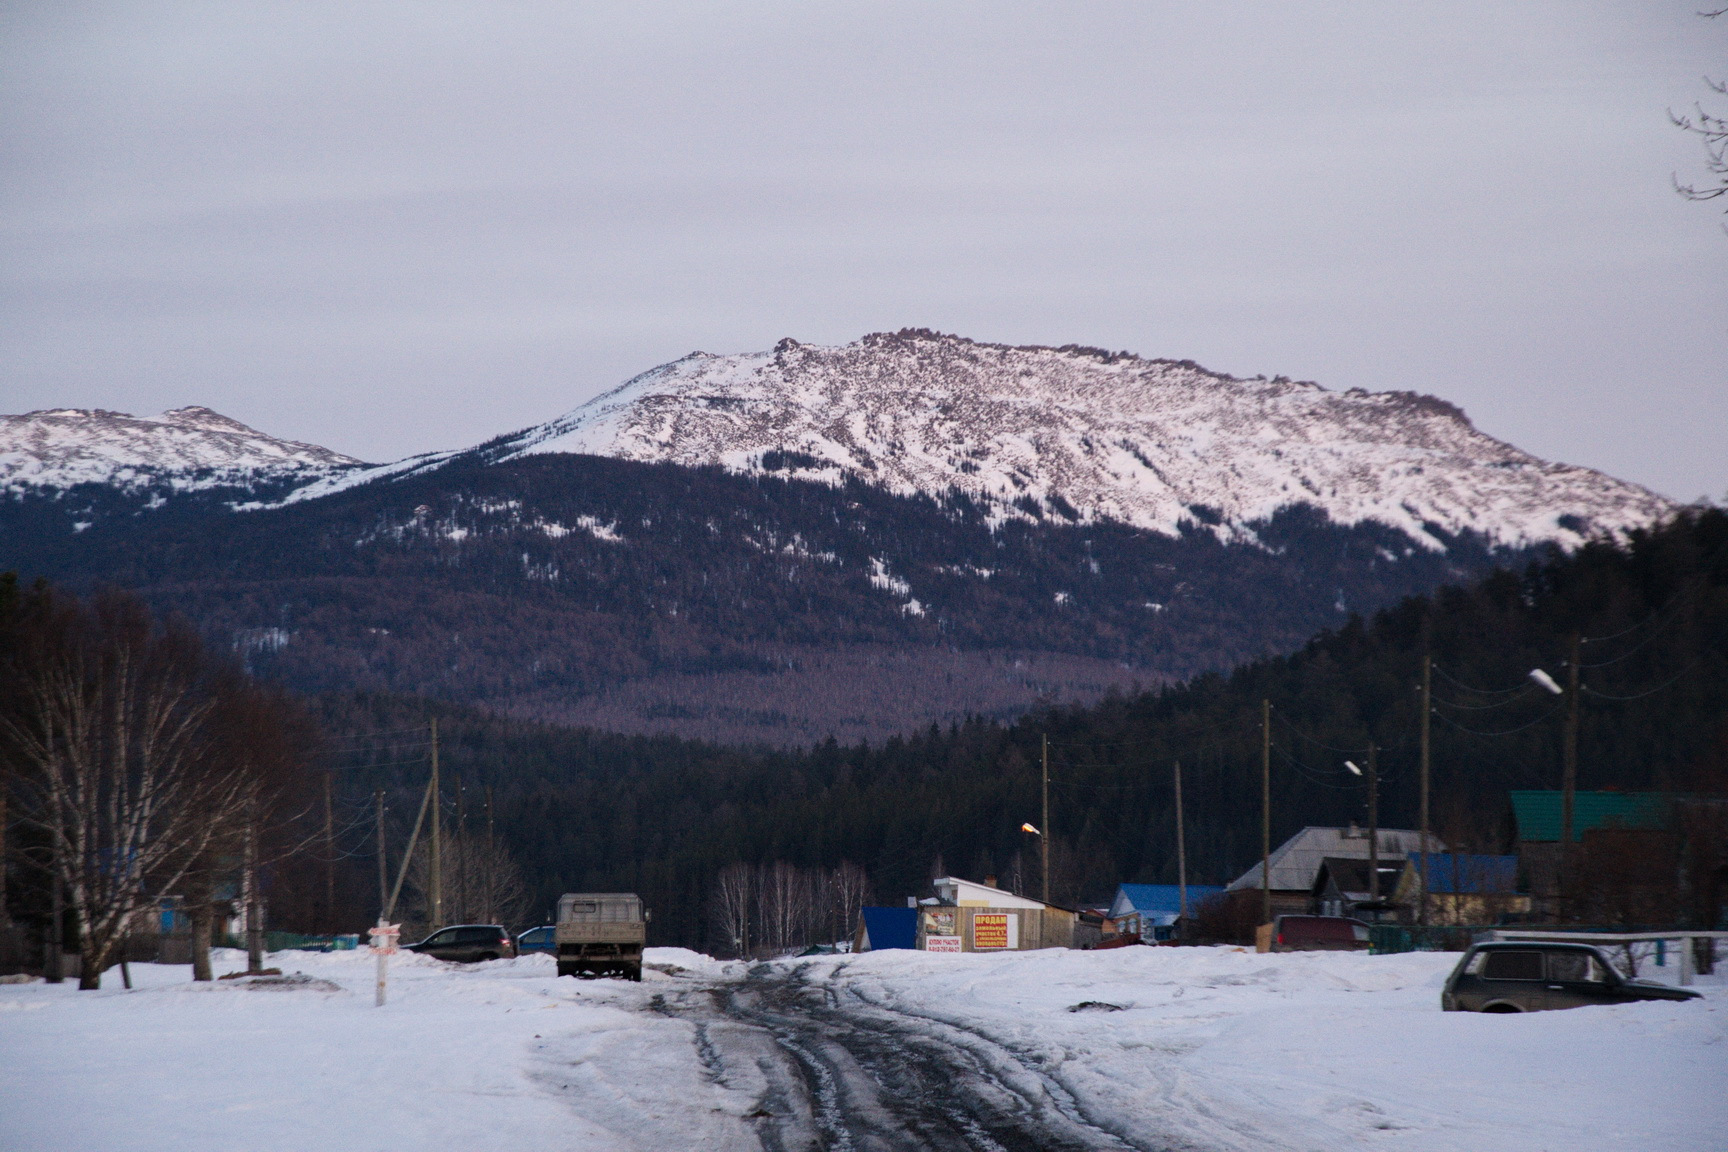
[1084,434]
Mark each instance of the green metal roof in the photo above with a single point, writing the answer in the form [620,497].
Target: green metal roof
[1538,813]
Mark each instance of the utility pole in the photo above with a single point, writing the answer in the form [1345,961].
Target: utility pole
[1181,849]
[1373,829]
[1569,777]
[1569,770]
[437,885]
[1265,811]
[329,859]
[491,842]
[383,864]
[1423,764]
[254,911]
[1044,840]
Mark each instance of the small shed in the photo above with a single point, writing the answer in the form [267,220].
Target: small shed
[880,928]
[966,916]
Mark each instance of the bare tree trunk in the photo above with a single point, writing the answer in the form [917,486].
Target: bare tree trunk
[203,920]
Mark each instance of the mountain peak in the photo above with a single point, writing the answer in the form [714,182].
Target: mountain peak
[183,448]
[1084,433]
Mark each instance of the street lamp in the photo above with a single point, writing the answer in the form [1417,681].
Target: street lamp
[1373,775]
[1546,681]
[1029,828]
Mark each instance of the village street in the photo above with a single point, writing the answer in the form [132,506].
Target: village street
[1141,1048]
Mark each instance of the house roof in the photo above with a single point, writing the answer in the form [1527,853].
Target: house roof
[1296,862]
[1349,874]
[1539,816]
[952,889]
[1158,898]
[1466,874]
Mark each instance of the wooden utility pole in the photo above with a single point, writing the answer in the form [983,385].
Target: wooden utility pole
[249,877]
[1044,840]
[1181,849]
[329,859]
[1423,768]
[1265,811]
[491,842]
[1373,829]
[1569,771]
[383,863]
[1569,776]
[437,885]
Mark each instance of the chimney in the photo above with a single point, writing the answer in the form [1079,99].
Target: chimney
[990,881]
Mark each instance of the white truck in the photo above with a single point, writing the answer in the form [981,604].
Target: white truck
[601,934]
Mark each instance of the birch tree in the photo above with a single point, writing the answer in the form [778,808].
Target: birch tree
[111,734]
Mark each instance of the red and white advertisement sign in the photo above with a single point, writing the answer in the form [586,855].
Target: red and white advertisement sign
[941,943]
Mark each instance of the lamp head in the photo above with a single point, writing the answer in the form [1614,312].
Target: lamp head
[1352,766]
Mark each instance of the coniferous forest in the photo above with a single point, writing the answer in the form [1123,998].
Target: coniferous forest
[585,810]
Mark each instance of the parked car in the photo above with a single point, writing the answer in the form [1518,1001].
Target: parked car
[537,940]
[1319,934]
[467,943]
[1508,976]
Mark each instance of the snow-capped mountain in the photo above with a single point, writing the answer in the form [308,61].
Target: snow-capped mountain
[185,449]
[1150,443]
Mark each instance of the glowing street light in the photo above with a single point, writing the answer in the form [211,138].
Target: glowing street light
[1546,681]
[1029,828]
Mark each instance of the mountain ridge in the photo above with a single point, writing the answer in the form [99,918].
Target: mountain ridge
[1080,434]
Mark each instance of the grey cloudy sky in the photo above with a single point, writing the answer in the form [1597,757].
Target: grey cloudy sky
[394,227]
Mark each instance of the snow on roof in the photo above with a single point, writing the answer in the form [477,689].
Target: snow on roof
[1296,862]
[953,890]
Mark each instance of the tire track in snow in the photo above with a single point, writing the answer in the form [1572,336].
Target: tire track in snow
[871,1079]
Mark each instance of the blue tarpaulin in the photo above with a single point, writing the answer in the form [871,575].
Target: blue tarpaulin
[890,928]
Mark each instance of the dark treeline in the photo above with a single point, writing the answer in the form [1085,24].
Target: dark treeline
[586,810]
[525,585]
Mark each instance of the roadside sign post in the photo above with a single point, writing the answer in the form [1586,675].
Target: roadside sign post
[384,937]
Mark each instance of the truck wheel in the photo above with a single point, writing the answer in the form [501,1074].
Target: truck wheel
[566,970]
[633,972]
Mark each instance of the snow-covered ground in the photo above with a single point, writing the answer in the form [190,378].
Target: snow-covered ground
[1149,1048]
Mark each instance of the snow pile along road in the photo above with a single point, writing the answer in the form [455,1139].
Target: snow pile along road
[1135,1048]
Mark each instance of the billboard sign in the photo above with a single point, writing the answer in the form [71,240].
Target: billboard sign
[941,943]
[992,931]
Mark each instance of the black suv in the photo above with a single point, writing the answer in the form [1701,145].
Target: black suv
[1527,977]
[467,943]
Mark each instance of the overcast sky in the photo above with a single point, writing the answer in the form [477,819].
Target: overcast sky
[394,227]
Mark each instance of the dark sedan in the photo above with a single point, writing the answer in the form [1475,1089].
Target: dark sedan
[1516,977]
[467,943]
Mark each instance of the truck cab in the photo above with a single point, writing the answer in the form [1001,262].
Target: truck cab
[601,934]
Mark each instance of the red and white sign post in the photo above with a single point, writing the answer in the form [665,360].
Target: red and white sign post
[384,937]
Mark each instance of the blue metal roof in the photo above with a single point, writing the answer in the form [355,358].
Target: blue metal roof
[1154,899]
[890,928]
[1464,874]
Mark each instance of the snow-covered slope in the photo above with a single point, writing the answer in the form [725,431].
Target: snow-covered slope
[1147,442]
[184,449]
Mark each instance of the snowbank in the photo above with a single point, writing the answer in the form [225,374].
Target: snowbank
[1213,1048]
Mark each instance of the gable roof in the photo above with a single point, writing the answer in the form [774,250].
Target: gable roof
[963,892]
[1296,862]
[1539,816]
[1349,874]
[1155,899]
